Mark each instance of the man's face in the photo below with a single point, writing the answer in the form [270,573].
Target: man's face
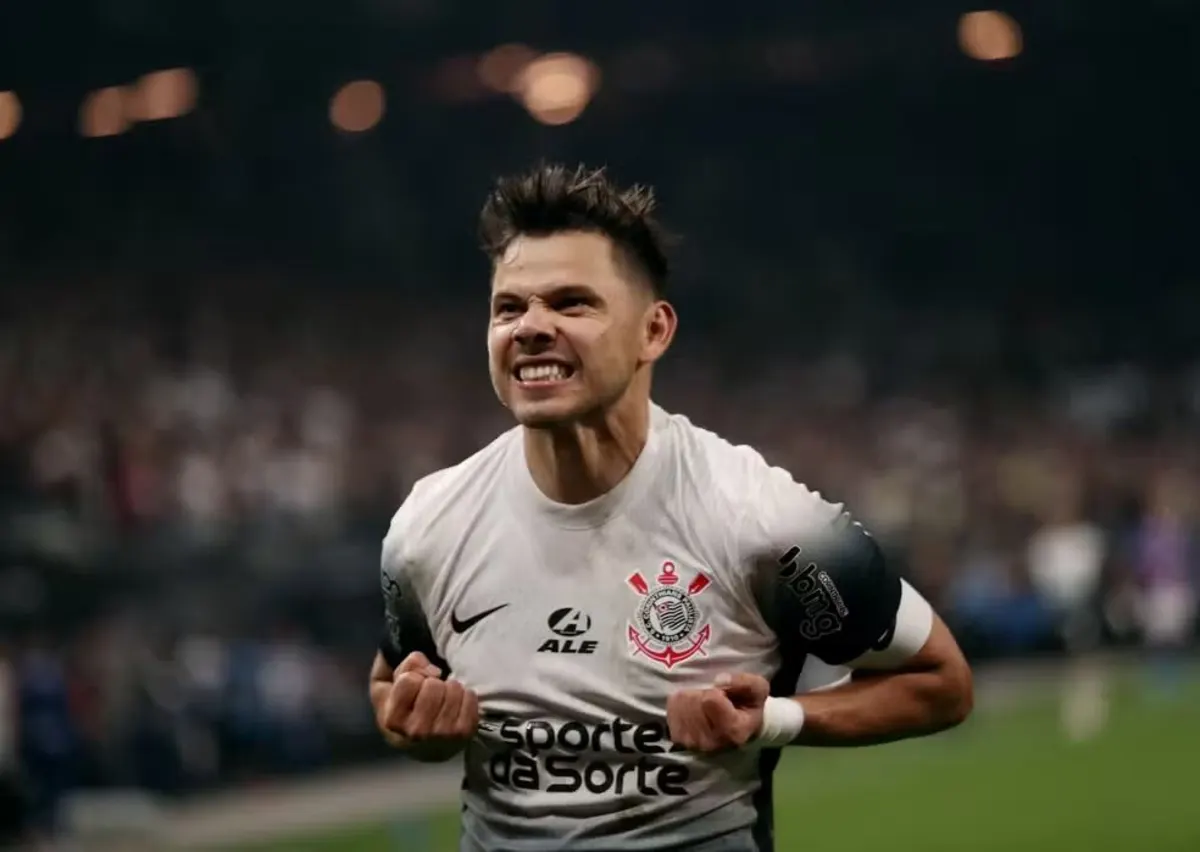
[568,328]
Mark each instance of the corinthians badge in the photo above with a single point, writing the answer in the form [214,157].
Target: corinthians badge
[664,628]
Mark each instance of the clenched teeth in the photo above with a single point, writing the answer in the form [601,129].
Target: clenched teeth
[542,373]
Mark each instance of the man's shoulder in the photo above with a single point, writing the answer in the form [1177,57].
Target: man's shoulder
[440,499]
[729,471]
[477,473]
[765,503]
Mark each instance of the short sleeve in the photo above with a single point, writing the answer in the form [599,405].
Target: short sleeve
[405,627]
[822,582]
[818,676]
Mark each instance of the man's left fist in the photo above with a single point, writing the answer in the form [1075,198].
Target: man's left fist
[727,715]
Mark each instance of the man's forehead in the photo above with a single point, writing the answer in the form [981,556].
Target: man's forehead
[512,255]
[536,262]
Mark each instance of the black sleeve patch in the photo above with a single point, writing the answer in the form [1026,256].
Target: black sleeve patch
[405,627]
[837,597]
[390,650]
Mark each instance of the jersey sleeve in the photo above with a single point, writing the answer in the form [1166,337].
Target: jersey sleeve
[406,628]
[818,676]
[823,583]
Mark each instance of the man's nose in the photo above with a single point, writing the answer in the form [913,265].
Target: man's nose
[536,326]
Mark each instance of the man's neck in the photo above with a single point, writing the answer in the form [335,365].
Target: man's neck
[583,461]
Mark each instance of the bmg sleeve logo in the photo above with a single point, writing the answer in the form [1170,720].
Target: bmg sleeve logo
[822,604]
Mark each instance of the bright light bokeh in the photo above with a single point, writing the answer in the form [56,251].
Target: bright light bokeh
[357,106]
[10,114]
[103,113]
[162,95]
[500,69]
[556,88]
[989,36]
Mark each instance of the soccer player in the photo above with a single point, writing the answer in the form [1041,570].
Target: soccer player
[608,608]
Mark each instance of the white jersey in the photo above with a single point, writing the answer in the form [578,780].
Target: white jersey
[573,624]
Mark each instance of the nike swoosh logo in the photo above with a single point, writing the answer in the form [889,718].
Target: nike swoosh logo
[467,623]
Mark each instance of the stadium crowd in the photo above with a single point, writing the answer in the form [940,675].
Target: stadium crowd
[955,296]
[223,363]
[191,510]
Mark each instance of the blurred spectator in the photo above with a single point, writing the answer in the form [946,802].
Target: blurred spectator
[288,697]
[48,736]
[1166,563]
[1067,556]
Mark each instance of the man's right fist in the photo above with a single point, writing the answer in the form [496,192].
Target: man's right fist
[423,708]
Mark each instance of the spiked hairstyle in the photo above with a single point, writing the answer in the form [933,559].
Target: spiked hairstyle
[552,198]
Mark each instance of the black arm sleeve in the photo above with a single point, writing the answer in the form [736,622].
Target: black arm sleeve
[405,627]
[836,597]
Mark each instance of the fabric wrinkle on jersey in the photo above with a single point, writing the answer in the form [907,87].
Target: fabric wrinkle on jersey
[669,579]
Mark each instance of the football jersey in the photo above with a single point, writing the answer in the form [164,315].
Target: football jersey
[574,623]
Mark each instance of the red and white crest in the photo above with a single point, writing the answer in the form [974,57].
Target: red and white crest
[667,628]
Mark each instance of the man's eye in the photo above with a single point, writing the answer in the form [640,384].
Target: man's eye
[507,309]
[572,303]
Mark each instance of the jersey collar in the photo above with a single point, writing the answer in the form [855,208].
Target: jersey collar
[597,512]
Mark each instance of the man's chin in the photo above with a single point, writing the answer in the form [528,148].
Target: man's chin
[546,414]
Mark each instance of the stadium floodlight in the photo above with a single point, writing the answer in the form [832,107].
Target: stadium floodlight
[500,69]
[103,113]
[10,114]
[557,87]
[162,95]
[357,106]
[989,36]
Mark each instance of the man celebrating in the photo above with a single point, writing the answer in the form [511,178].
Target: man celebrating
[609,608]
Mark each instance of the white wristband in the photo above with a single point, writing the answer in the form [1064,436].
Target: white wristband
[783,719]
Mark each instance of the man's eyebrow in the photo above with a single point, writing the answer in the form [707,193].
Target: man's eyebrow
[553,291]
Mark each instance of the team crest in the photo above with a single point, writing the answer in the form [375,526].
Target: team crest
[665,627]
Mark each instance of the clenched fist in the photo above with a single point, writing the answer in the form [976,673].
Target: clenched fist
[724,716]
[426,711]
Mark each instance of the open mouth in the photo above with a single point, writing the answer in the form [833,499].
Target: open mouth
[544,373]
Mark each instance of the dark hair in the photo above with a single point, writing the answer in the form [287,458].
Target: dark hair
[552,198]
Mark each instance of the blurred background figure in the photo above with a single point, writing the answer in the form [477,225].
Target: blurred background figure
[1067,555]
[943,253]
[1166,564]
[47,733]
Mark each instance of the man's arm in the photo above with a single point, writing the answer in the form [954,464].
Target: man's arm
[930,692]
[831,593]
[416,708]
[825,588]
